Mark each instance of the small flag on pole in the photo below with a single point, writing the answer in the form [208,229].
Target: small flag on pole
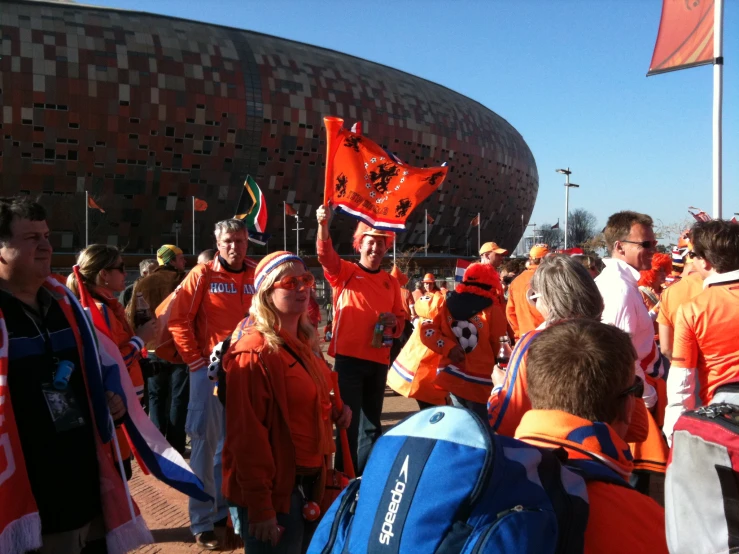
[357,128]
[459,271]
[700,216]
[252,207]
[475,221]
[289,210]
[429,219]
[94,205]
[556,225]
[200,205]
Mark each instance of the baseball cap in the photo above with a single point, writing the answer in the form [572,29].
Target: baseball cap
[167,253]
[492,247]
[538,251]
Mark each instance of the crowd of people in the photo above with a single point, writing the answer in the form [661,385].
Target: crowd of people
[606,355]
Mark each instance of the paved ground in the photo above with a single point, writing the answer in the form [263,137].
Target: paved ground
[165,510]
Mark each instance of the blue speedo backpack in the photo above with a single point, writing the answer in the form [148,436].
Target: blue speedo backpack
[442,482]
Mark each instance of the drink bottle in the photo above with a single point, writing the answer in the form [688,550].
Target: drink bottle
[142,313]
[504,352]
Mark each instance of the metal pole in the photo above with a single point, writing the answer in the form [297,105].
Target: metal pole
[718,89]
[426,242]
[297,235]
[176,234]
[479,224]
[284,223]
[193,225]
[87,220]
[567,203]
[394,237]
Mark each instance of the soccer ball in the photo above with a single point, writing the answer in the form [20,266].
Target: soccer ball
[466,334]
[429,332]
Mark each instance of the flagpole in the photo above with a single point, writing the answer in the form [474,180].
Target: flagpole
[297,235]
[284,224]
[426,221]
[479,224]
[87,220]
[193,225]
[718,90]
[394,239]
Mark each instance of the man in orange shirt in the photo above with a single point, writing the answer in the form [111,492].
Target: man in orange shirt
[208,305]
[583,390]
[683,291]
[522,315]
[366,300]
[705,355]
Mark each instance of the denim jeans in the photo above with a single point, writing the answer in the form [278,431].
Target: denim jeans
[206,428]
[294,540]
[168,399]
[362,387]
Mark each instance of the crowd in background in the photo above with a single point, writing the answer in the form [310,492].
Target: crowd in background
[229,355]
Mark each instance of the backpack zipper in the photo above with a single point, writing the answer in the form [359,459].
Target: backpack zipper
[350,500]
[499,518]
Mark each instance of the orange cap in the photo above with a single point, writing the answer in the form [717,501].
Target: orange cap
[429,278]
[492,247]
[538,251]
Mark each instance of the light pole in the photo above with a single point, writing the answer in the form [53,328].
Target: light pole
[568,186]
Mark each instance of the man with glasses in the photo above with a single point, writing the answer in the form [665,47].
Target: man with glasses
[705,361]
[582,388]
[208,305]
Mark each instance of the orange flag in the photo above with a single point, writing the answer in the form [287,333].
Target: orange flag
[475,221]
[94,205]
[685,37]
[370,184]
[200,205]
[289,210]
[429,219]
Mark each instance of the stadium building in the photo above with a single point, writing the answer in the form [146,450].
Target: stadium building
[144,112]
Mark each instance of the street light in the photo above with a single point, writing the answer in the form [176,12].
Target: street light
[568,186]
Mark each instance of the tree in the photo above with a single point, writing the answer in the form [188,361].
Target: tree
[581,227]
[553,238]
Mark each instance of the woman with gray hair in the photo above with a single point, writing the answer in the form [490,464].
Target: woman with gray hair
[561,289]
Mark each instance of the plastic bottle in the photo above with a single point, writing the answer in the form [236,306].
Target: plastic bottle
[504,352]
[142,313]
[377,334]
[387,336]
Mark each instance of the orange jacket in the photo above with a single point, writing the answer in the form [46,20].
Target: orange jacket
[522,316]
[413,372]
[620,519]
[207,307]
[360,296]
[258,453]
[510,401]
[471,379]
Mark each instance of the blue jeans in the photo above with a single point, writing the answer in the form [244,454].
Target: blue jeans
[168,399]
[294,540]
[206,428]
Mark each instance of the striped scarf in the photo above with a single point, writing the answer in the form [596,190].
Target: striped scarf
[20,524]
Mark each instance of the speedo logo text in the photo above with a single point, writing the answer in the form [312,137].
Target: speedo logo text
[396,497]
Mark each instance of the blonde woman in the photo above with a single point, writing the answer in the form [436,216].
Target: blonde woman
[104,275]
[279,411]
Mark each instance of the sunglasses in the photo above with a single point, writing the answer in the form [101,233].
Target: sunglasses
[291,283]
[646,244]
[532,296]
[637,389]
[121,268]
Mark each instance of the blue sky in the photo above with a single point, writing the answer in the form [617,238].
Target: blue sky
[568,74]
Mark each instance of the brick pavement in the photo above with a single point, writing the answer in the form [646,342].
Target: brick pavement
[165,510]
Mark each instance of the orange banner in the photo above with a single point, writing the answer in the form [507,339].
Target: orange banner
[94,205]
[371,184]
[685,37]
[200,205]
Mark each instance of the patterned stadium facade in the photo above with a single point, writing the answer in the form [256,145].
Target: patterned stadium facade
[144,111]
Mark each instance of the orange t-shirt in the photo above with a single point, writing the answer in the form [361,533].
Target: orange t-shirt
[706,337]
[676,295]
[303,418]
[522,316]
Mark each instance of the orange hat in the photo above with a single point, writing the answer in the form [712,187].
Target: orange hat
[399,275]
[429,278]
[492,247]
[480,279]
[538,251]
[364,230]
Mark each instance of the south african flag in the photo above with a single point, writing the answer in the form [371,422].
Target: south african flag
[252,207]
